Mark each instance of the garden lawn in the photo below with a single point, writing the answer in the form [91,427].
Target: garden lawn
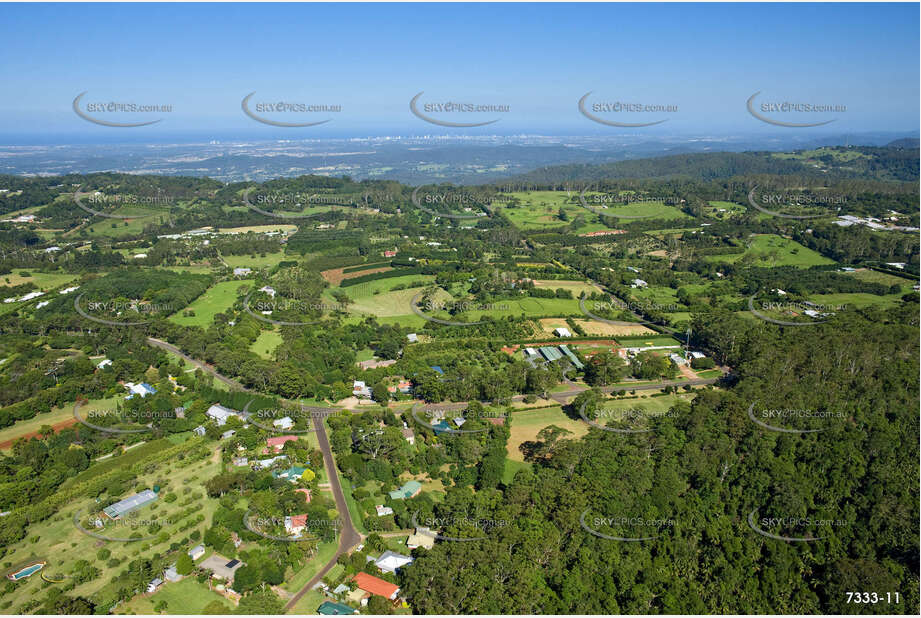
[219,297]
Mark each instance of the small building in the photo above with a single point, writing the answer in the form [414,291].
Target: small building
[240,462]
[562,332]
[241,272]
[409,435]
[228,434]
[197,552]
[391,561]
[278,442]
[412,337]
[376,585]
[220,414]
[410,489]
[103,363]
[383,510]
[171,574]
[283,423]
[698,355]
[268,290]
[390,254]
[572,357]
[678,359]
[361,390]
[330,608]
[131,503]
[221,566]
[199,431]
[639,283]
[421,537]
[153,585]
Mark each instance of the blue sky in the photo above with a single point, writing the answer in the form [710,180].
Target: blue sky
[538,59]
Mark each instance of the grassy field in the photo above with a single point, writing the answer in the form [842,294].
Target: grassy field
[254,261]
[731,209]
[215,299]
[511,469]
[526,424]
[43,281]
[56,415]
[576,287]
[770,250]
[297,581]
[856,300]
[539,210]
[115,228]
[58,541]
[266,342]
[873,276]
[184,597]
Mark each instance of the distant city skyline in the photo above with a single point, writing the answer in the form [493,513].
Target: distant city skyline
[701,62]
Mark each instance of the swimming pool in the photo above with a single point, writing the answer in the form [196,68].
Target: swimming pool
[27,571]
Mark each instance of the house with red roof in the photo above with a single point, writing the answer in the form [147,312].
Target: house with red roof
[295,524]
[376,585]
[277,442]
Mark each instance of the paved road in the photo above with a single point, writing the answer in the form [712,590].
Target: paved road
[159,343]
[348,535]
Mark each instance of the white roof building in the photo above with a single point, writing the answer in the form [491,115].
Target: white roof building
[383,510]
[283,423]
[412,338]
[390,561]
[639,283]
[238,272]
[562,332]
[104,363]
[268,290]
[220,414]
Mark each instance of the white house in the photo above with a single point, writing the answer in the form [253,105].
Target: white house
[383,510]
[562,332]
[412,338]
[283,423]
[239,272]
[268,290]
[220,414]
[361,390]
[678,359]
[197,552]
[639,283]
[390,561]
[104,363]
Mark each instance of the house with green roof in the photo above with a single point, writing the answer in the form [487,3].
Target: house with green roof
[292,474]
[329,608]
[410,489]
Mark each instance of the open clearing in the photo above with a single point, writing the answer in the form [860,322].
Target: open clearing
[214,300]
[266,342]
[63,416]
[526,424]
[771,250]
